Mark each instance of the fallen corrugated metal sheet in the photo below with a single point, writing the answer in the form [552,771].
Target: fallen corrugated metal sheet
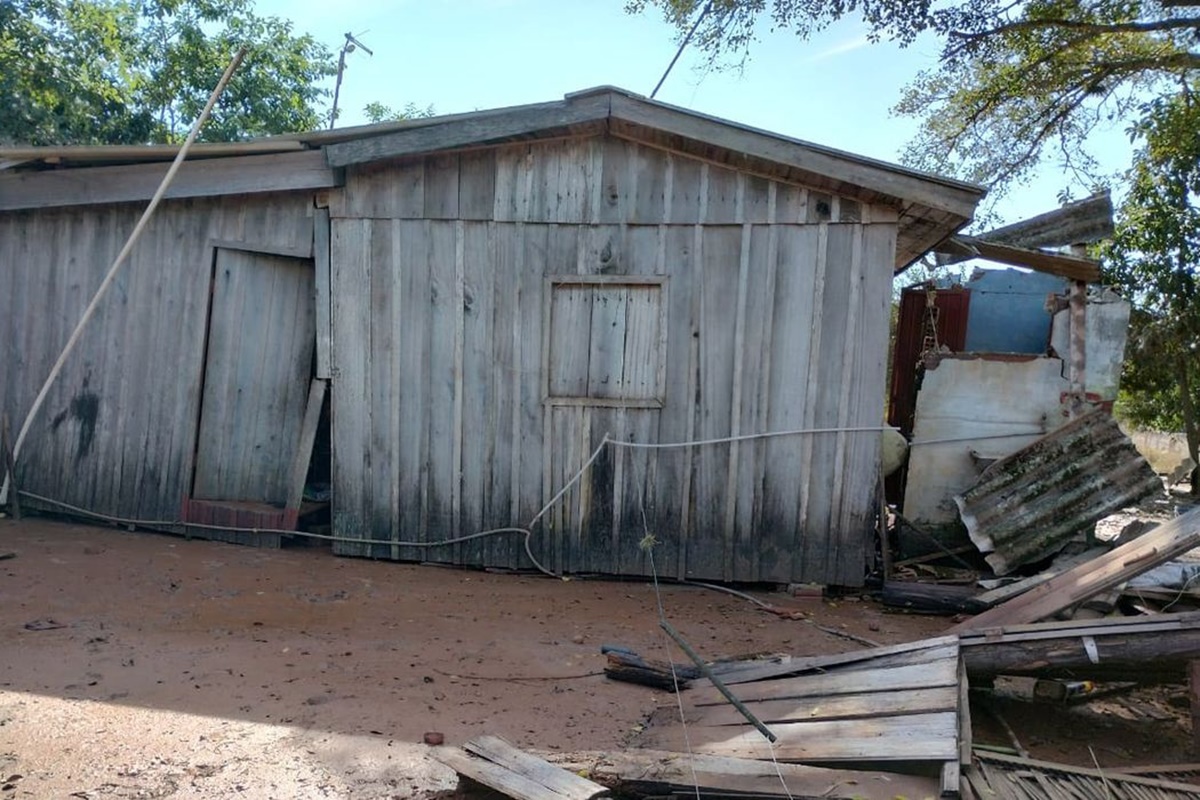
[1027,506]
[1010,778]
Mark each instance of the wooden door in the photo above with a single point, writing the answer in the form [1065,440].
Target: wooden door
[261,337]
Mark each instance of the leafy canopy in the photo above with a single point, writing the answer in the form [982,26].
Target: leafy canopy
[133,71]
[1155,257]
[1014,79]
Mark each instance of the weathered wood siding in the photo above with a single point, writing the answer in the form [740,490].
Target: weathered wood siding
[118,431]
[496,313]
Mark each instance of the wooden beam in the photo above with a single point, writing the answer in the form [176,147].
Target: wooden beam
[928,190]
[488,127]
[1082,222]
[1070,267]
[1152,655]
[1155,547]
[147,152]
[308,437]
[135,182]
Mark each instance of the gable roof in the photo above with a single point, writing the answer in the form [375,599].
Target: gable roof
[930,207]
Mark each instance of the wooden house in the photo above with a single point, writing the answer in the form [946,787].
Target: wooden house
[486,296]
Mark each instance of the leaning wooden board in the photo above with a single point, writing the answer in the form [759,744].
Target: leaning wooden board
[494,762]
[1077,584]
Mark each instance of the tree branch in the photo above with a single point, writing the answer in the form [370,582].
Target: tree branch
[1095,28]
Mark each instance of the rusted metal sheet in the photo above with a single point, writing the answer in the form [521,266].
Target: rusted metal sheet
[1028,505]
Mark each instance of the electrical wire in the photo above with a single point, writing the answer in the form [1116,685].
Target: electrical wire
[526,531]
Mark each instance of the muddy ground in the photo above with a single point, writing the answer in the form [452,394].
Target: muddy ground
[146,665]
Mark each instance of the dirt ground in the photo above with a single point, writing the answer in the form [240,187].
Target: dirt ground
[146,665]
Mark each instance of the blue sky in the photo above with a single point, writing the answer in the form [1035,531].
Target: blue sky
[835,89]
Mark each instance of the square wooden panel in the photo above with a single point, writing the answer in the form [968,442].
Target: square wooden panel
[605,341]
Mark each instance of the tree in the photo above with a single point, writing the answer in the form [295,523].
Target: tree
[130,71]
[378,112]
[1013,80]
[1155,256]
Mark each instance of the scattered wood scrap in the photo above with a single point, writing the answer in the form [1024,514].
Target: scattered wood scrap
[494,762]
[656,773]
[629,666]
[865,709]
[1077,584]
[1011,778]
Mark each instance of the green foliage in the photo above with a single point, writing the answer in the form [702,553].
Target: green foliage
[1014,80]
[1155,257]
[129,71]
[378,112]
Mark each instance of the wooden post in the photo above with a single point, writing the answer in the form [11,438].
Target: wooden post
[14,496]
[1078,339]
[1194,697]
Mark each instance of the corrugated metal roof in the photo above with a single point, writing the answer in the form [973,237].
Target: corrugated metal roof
[1027,506]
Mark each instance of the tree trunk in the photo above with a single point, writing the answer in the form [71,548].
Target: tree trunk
[1188,409]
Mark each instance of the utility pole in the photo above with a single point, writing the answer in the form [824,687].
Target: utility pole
[352,43]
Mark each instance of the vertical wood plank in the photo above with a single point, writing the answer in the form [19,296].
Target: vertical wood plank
[798,287]
[321,264]
[569,334]
[445,335]
[829,362]
[844,541]
[718,322]
[411,265]
[500,507]
[381,349]
[459,299]
[351,275]
[606,359]
[534,479]
[478,425]
[441,187]
[477,185]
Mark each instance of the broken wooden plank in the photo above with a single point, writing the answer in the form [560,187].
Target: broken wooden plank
[913,737]
[516,774]
[656,773]
[848,706]
[915,676]
[308,437]
[564,784]
[1162,544]
[921,651]
[1071,267]
[1010,590]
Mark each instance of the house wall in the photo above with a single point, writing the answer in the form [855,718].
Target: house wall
[990,406]
[497,313]
[117,432]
